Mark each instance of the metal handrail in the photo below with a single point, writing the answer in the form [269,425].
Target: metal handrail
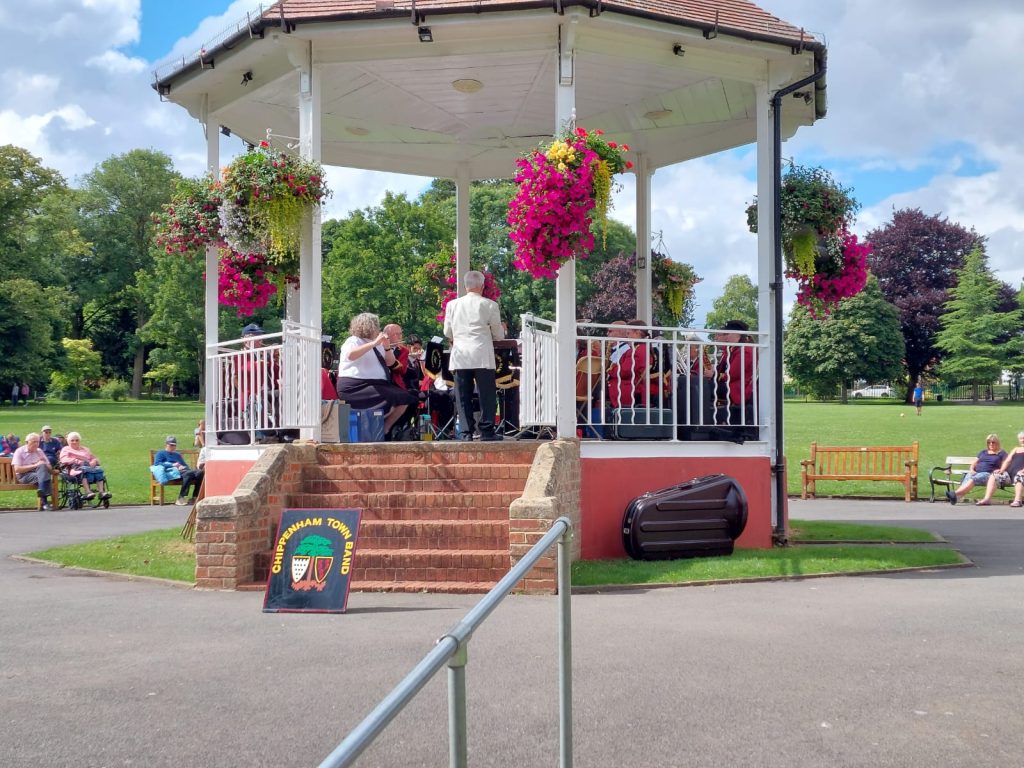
[451,650]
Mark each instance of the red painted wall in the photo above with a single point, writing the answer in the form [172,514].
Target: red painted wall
[223,476]
[608,485]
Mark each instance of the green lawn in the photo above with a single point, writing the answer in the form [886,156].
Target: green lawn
[943,430]
[824,530]
[754,564]
[162,554]
[120,434]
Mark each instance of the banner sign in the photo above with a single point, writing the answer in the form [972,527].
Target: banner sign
[312,567]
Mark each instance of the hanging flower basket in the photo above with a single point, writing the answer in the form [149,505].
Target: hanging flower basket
[813,205]
[246,281]
[267,194]
[840,272]
[673,283]
[562,188]
[190,221]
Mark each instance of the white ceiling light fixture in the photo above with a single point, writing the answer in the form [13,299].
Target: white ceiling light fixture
[467,85]
[657,114]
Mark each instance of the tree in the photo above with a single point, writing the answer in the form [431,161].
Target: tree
[973,330]
[81,363]
[119,198]
[860,339]
[737,302]
[24,184]
[916,258]
[31,323]
[617,299]
[175,327]
[371,264]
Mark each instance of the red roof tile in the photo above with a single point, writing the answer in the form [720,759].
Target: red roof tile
[737,17]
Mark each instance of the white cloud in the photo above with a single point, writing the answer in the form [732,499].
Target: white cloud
[116,62]
[930,86]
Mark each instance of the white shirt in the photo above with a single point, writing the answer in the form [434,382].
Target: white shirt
[365,367]
[472,323]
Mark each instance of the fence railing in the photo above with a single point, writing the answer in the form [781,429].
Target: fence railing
[666,383]
[451,651]
[538,391]
[263,384]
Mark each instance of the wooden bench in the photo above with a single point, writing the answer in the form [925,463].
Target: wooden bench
[896,463]
[951,474]
[9,482]
[156,490]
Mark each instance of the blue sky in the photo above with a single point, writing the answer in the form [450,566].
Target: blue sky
[924,111]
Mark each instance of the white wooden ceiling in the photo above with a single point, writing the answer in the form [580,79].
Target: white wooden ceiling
[388,101]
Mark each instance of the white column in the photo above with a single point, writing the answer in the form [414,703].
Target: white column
[565,288]
[462,249]
[310,257]
[211,330]
[765,265]
[644,309]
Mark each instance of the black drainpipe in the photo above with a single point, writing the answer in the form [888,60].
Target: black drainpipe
[779,534]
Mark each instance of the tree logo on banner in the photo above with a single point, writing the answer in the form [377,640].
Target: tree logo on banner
[311,562]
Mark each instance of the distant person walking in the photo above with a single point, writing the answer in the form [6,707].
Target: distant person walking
[918,397]
[14,394]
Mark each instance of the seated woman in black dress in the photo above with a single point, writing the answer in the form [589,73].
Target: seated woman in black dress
[364,375]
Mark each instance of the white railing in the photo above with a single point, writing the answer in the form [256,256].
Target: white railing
[265,384]
[538,391]
[647,381]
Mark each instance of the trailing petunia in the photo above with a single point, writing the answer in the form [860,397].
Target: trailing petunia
[562,187]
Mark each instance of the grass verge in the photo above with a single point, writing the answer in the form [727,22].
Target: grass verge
[755,564]
[161,554]
[823,530]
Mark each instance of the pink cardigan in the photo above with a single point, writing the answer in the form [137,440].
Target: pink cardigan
[77,456]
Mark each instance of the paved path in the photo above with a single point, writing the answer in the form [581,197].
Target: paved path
[899,670]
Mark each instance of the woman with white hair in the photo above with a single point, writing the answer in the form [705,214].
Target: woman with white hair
[364,371]
[79,461]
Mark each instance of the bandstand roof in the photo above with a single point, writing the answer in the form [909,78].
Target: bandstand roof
[674,79]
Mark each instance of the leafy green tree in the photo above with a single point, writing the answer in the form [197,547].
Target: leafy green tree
[973,331]
[24,184]
[860,339]
[737,302]
[175,327]
[916,258]
[118,201]
[81,363]
[371,264]
[31,324]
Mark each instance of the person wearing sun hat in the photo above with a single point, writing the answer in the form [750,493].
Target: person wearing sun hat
[49,444]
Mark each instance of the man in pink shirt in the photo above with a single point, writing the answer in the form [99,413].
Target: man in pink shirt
[31,466]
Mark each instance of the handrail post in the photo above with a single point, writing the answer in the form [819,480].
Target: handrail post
[458,753]
[565,650]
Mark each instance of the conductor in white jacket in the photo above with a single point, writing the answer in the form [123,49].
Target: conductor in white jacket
[472,324]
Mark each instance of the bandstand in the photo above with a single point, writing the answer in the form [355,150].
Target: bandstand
[459,89]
